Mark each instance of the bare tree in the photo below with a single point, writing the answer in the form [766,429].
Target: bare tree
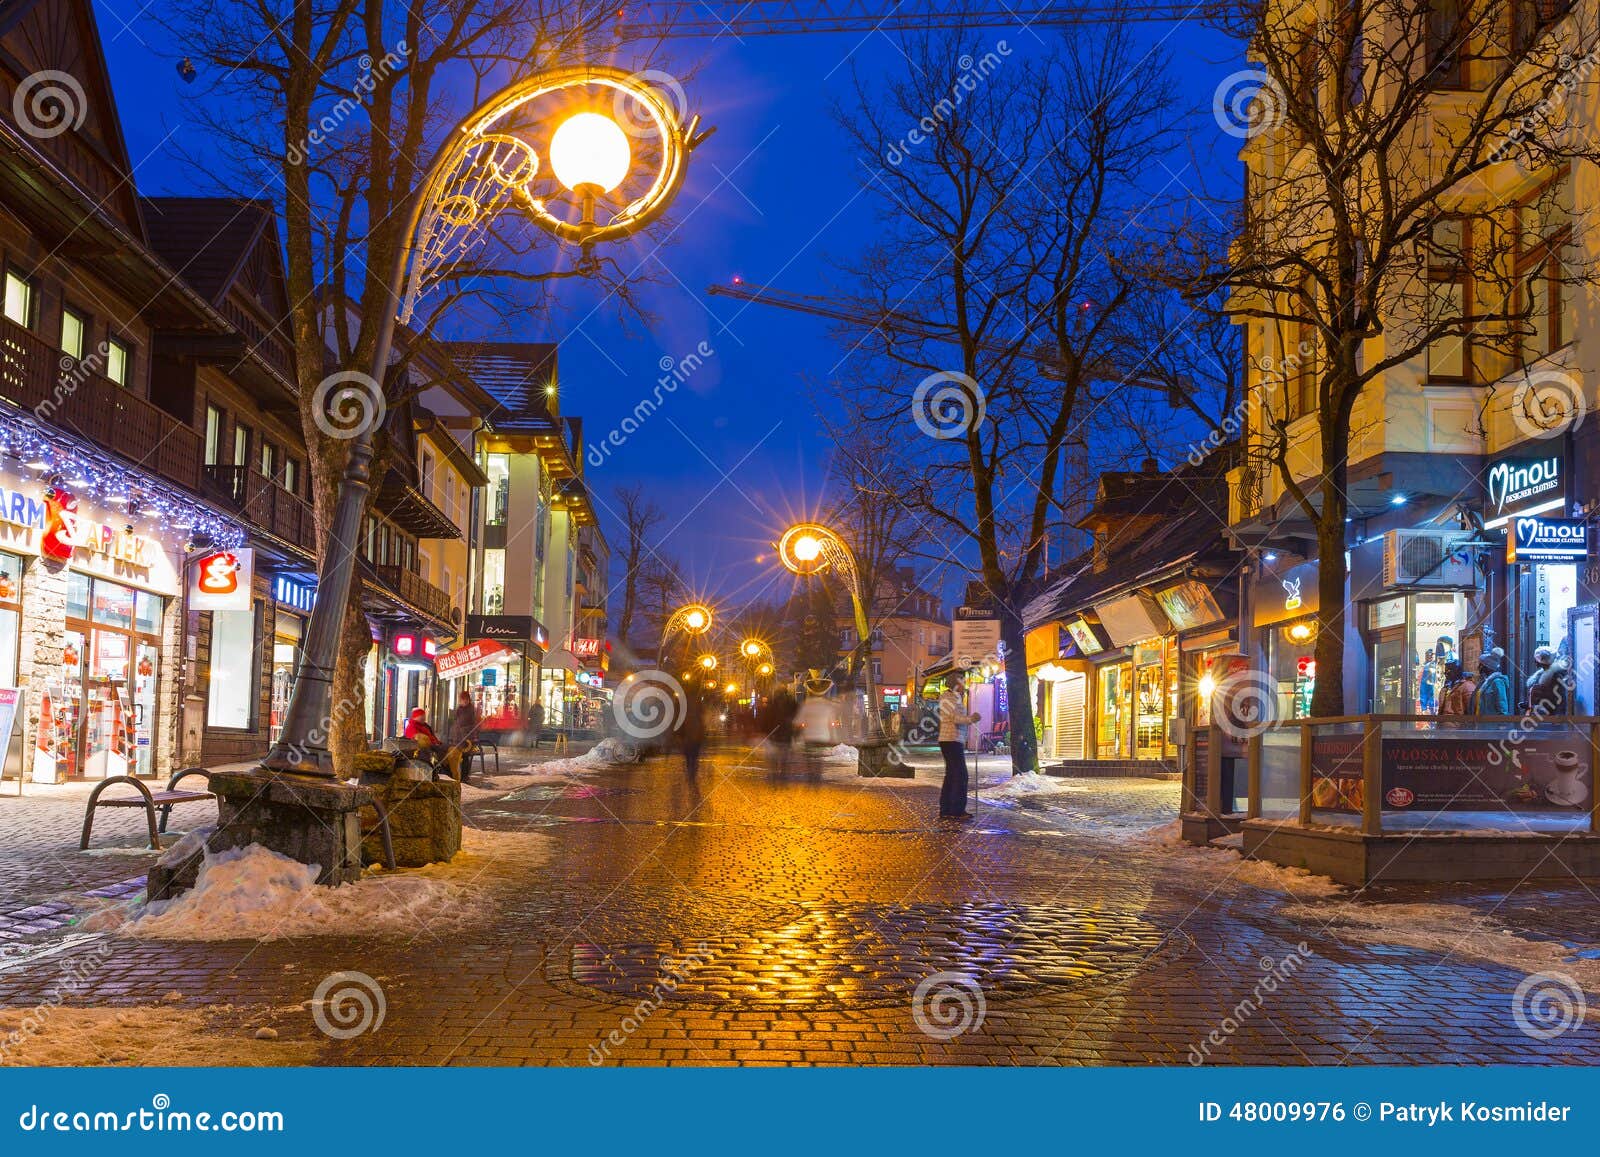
[1007,193]
[661,592]
[336,108]
[639,515]
[1408,219]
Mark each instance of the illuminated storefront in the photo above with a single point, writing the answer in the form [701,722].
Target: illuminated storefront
[89,624]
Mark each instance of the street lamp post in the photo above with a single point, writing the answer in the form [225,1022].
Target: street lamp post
[693,620]
[484,167]
[809,548]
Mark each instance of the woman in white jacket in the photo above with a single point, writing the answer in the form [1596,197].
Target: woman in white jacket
[953,716]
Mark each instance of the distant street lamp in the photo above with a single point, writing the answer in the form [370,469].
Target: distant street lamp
[708,662]
[484,167]
[809,548]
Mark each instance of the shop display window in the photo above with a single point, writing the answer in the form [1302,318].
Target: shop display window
[1113,703]
[231,692]
[104,702]
[10,617]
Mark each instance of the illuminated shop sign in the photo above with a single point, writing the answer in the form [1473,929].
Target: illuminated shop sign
[1525,486]
[1536,539]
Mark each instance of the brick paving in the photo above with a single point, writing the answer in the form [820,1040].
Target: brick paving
[760,919]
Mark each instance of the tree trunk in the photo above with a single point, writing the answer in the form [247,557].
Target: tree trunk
[1328,697]
[347,729]
[1019,705]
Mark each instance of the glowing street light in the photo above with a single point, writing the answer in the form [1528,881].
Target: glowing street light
[488,165]
[809,548]
[707,662]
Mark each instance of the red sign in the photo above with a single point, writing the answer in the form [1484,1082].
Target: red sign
[473,657]
[586,648]
[56,541]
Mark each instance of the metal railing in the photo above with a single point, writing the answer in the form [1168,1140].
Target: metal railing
[416,590]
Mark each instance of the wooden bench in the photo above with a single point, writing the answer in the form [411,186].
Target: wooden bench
[166,800]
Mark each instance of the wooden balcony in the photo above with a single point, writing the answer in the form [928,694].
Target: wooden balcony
[265,505]
[69,395]
[416,590]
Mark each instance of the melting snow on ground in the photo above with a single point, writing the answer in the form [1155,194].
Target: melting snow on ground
[1224,865]
[255,894]
[1033,783]
[1450,930]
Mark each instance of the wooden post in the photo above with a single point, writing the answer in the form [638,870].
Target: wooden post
[1252,807]
[1305,773]
[1594,777]
[1372,778]
[1214,771]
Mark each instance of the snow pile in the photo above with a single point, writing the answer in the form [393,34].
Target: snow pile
[841,753]
[1216,867]
[1031,784]
[550,771]
[160,1034]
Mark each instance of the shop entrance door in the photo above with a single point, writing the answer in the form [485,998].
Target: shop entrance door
[1390,665]
[1069,704]
[1583,626]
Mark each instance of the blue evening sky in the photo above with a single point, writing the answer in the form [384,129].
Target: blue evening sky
[773,196]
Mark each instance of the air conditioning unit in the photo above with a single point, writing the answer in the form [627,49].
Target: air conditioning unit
[1427,558]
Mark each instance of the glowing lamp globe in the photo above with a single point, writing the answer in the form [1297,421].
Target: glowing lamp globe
[695,620]
[752,649]
[807,548]
[590,150]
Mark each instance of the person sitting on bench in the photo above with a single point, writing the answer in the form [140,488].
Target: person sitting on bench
[429,745]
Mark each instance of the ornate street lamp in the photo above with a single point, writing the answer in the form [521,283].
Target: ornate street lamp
[488,165]
[810,548]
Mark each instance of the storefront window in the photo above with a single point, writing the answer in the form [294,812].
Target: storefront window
[287,632]
[1149,701]
[1112,705]
[103,707]
[10,618]
[231,695]
[494,582]
[1555,593]
[498,468]
[1411,638]
[1294,667]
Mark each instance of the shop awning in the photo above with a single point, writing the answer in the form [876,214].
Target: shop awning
[471,659]
[941,667]
[562,661]
[1131,619]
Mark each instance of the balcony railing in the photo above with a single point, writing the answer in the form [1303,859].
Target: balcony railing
[416,590]
[265,504]
[69,395]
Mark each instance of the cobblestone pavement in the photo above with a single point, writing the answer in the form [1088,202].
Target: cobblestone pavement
[763,919]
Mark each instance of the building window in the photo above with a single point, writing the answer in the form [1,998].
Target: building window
[19,299]
[1529,19]
[1447,44]
[1449,298]
[269,459]
[494,582]
[213,435]
[231,696]
[1544,231]
[425,469]
[117,361]
[498,468]
[291,476]
[241,445]
[73,327]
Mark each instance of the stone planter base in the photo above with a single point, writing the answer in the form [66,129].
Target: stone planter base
[315,821]
[424,821]
[874,759]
